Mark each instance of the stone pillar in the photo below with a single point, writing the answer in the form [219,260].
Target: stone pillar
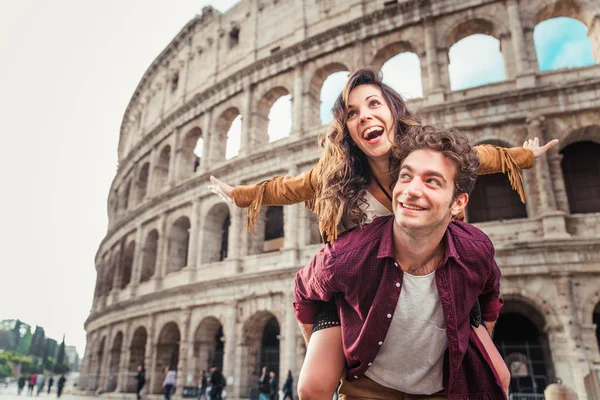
[553,221]
[289,339]
[594,35]
[123,372]
[434,92]
[137,260]
[182,368]
[525,77]
[174,161]
[289,253]
[297,101]
[229,361]
[569,357]
[205,162]
[104,368]
[236,228]
[149,354]
[161,253]
[558,180]
[151,185]
[247,139]
[192,261]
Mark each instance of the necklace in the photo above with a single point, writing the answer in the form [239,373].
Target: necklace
[389,196]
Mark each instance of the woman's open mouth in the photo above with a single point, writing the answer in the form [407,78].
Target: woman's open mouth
[372,133]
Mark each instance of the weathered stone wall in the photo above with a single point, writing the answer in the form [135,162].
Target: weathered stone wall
[204,79]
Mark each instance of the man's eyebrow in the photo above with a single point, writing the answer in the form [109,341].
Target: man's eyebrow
[426,172]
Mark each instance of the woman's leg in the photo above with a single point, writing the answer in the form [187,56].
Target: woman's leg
[497,360]
[323,365]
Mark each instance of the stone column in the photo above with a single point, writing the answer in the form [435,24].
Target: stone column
[174,161]
[192,261]
[558,180]
[161,253]
[123,372]
[553,221]
[205,161]
[103,384]
[289,338]
[149,354]
[151,185]
[182,368]
[289,254]
[525,77]
[247,139]
[594,35]
[236,228]
[435,90]
[137,260]
[230,342]
[297,101]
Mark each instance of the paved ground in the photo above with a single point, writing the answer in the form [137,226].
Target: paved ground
[10,393]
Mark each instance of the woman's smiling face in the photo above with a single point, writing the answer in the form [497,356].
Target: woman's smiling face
[370,121]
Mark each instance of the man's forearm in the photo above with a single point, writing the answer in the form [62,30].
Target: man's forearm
[306,330]
[489,325]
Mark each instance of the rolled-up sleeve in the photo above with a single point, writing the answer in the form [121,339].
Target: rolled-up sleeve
[490,300]
[313,284]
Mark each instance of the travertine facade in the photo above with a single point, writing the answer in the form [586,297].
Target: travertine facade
[179,280]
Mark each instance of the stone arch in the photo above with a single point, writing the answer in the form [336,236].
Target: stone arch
[161,169]
[525,349]
[114,361]
[149,253]
[260,347]
[188,159]
[142,182]
[580,10]
[222,129]
[208,347]
[167,353]
[137,351]
[178,244]
[589,133]
[391,50]
[316,84]
[127,267]
[581,167]
[470,25]
[216,234]
[262,122]
[493,198]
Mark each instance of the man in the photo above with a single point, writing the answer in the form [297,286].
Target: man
[60,385]
[264,390]
[405,284]
[140,379]
[217,383]
[202,386]
[50,383]
[273,385]
[41,379]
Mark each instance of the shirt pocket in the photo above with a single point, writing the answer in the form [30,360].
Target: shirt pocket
[437,345]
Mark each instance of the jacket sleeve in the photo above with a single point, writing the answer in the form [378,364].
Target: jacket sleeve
[490,300]
[510,161]
[313,285]
[278,190]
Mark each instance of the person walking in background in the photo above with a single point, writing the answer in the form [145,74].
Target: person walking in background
[50,383]
[60,385]
[21,384]
[169,382]
[217,383]
[202,385]
[263,385]
[140,378]
[32,382]
[288,387]
[273,386]
[40,383]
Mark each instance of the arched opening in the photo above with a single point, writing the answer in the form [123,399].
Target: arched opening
[596,320]
[280,118]
[475,60]
[149,256]
[208,345]
[260,348]
[581,169]
[189,158]
[115,359]
[216,234]
[493,199]
[179,240]
[330,90]
[234,138]
[562,42]
[520,339]
[137,356]
[127,265]
[161,170]
[228,135]
[167,354]
[274,231]
[99,363]
[402,73]
[142,183]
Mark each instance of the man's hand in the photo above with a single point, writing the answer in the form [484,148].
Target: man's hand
[534,146]
[489,325]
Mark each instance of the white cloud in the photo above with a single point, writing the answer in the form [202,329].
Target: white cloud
[475,60]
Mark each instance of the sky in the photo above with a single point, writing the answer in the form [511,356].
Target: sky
[70,68]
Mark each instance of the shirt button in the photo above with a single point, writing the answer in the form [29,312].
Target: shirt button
[396,264]
[397,284]
[389,315]
[370,364]
[380,343]
[355,377]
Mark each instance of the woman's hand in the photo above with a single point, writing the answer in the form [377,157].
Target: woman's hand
[221,189]
[534,146]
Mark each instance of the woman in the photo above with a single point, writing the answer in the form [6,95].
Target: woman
[169,382]
[351,185]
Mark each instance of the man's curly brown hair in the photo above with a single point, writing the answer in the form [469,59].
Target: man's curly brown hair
[453,144]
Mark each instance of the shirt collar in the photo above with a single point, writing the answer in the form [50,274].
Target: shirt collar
[386,245]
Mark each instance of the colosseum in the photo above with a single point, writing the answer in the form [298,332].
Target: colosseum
[181,282]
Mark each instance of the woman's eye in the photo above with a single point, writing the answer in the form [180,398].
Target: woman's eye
[375,103]
[351,114]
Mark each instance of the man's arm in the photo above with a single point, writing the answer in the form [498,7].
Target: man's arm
[490,300]
[489,325]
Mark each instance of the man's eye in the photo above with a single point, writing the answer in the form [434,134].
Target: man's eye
[434,182]
[404,176]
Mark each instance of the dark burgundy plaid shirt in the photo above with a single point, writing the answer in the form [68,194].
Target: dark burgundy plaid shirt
[361,274]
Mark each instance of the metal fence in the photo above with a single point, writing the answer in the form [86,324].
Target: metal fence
[528,367]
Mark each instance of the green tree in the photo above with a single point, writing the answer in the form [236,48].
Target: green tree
[26,337]
[61,365]
[16,331]
[37,342]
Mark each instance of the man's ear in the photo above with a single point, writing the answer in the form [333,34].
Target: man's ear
[459,204]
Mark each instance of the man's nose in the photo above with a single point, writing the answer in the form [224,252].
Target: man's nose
[414,188]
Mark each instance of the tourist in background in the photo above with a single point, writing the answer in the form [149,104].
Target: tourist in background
[217,383]
[50,383]
[32,381]
[263,385]
[21,384]
[140,378]
[169,382]
[60,385]
[202,385]
[41,379]
[273,385]
[288,387]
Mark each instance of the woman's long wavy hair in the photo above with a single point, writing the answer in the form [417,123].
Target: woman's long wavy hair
[344,170]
